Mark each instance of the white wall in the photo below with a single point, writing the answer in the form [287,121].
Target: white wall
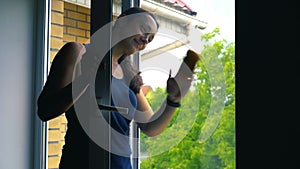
[17,38]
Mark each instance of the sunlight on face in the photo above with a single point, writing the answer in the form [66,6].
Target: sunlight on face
[136,31]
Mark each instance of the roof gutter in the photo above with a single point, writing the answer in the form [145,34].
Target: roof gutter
[173,14]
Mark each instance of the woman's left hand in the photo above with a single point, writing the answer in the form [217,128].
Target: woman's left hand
[178,86]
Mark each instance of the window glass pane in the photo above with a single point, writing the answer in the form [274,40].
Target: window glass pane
[202,131]
[69,23]
[181,145]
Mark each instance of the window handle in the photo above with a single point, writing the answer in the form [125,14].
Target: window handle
[121,110]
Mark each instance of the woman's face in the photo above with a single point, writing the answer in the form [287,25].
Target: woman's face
[138,30]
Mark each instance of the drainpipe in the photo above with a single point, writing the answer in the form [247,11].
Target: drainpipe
[170,46]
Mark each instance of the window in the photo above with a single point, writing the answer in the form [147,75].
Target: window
[71,21]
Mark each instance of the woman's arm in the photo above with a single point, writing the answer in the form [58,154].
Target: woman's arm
[152,123]
[57,96]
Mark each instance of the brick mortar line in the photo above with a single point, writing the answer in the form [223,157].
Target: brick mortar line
[53,10]
[56,24]
[53,155]
[53,142]
[56,37]
[66,17]
[77,12]
[76,28]
[53,128]
[54,49]
[77,36]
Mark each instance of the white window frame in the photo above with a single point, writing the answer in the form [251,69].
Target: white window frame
[42,63]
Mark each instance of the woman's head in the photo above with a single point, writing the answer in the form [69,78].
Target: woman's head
[136,10]
[134,29]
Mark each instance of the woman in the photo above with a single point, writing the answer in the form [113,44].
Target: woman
[57,97]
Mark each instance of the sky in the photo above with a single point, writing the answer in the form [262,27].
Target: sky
[217,13]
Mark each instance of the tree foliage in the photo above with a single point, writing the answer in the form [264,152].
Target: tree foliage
[190,152]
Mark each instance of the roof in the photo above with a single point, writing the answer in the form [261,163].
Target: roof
[179,5]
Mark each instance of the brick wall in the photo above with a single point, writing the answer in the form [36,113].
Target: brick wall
[76,23]
[69,22]
[57,125]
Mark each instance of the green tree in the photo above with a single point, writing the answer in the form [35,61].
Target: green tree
[193,152]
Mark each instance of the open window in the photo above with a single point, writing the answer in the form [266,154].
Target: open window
[75,20]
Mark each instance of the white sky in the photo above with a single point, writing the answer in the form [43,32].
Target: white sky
[217,13]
